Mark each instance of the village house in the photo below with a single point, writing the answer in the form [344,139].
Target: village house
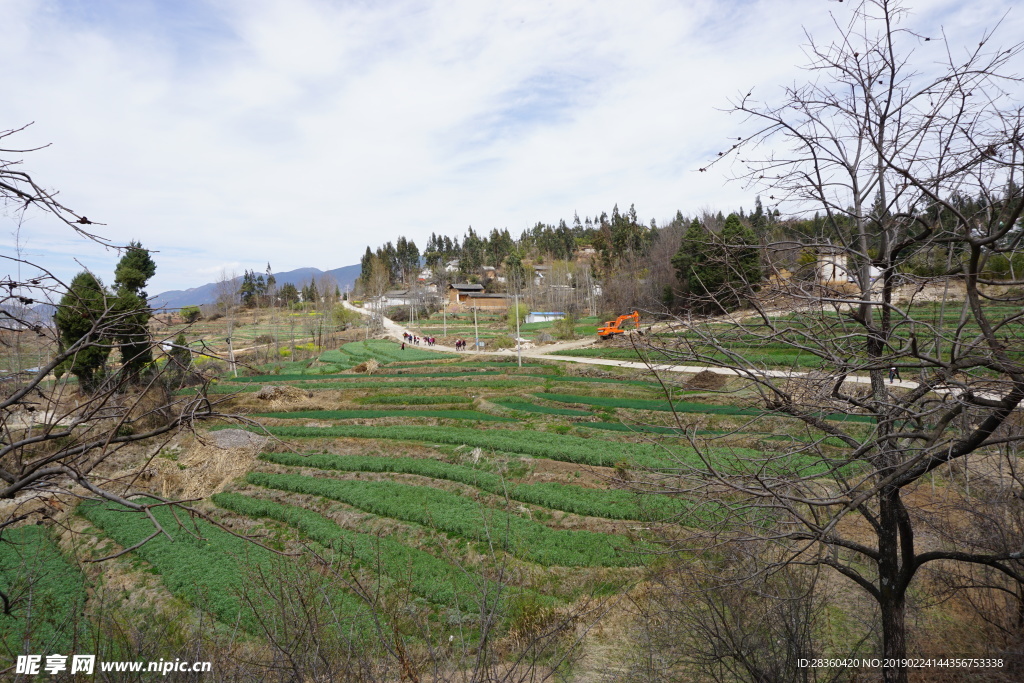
[466,296]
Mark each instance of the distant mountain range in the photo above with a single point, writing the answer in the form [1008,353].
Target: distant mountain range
[207,294]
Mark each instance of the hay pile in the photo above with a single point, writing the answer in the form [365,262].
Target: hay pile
[272,392]
[210,464]
[705,380]
[281,397]
[367,366]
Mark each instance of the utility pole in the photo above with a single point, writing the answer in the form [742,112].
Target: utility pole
[519,348]
[476,330]
[444,317]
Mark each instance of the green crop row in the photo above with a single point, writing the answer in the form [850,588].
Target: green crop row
[488,364]
[379,375]
[442,373]
[528,407]
[610,504]
[416,400]
[463,376]
[623,427]
[598,380]
[289,377]
[454,414]
[337,357]
[585,451]
[389,351]
[375,383]
[208,571]
[455,514]
[46,593]
[646,404]
[431,577]
[681,406]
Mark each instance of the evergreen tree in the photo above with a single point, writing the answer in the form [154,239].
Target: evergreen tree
[515,272]
[248,290]
[179,358]
[289,294]
[271,285]
[364,266]
[134,270]
[131,332]
[80,319]
[718,269]
[758,219]
[691,255]
[742,257]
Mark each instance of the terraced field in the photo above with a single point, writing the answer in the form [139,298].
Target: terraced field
[755,345]
[469,486]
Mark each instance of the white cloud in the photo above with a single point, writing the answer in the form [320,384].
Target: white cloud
[229,133]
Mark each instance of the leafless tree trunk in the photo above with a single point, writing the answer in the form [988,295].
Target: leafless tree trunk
[902,160]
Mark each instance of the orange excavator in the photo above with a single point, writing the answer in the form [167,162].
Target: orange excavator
[614,327]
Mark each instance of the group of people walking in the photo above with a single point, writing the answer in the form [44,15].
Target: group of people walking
[408,338]
[413,339]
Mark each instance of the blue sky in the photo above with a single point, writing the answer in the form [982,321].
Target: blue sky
[228,133]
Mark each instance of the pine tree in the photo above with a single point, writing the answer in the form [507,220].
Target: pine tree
[691,256]
[718,269]
[134,269]
[79,319]
[743,258]
[131,331]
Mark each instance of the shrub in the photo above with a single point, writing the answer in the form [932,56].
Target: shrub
[565,328]
[399,314]
[502,341]
[190,314]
